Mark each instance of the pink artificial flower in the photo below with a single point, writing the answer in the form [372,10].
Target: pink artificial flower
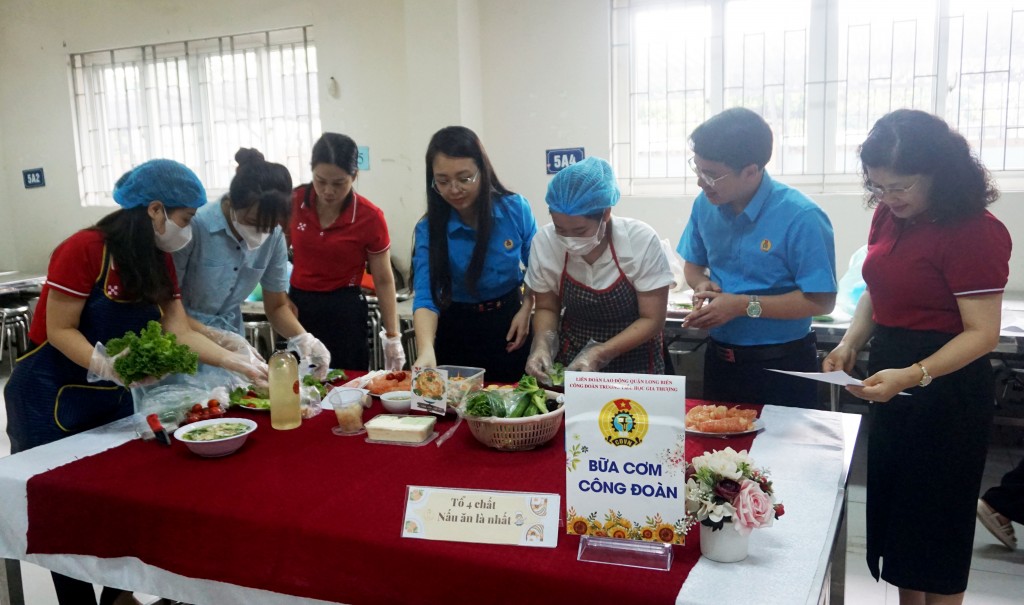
[754,508]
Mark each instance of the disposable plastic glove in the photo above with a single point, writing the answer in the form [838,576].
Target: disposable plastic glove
[231,341]
[101,367]
[591,358]
[539,363]
[254,370]
[311,352]
[394,354]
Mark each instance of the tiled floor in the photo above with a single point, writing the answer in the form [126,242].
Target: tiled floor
[997,574]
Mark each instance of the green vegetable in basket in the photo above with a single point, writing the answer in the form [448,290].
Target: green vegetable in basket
[151,352]
[485,403]
[531,399]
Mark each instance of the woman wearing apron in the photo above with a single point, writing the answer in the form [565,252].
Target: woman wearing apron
[102,282]
[237,245]
[335,233]
[936,267]
[601,281]
[468,254]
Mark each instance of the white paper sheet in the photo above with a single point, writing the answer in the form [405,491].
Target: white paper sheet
[835,377]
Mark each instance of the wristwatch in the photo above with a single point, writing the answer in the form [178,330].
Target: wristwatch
[754,308]
[926,378]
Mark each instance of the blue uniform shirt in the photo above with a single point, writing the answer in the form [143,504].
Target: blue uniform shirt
[217,272]
[507,254]
[782,241]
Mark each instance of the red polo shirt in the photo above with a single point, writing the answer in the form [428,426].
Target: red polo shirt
[75,267]
[916,270]
[332,257]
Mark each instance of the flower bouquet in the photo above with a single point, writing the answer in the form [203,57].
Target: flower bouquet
[724,487]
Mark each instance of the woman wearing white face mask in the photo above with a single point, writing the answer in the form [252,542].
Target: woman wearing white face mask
[238,244]
[605,276]
[102,282]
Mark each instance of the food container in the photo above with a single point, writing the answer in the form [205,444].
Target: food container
[462,380]
[516,434]
[397,402]
[217,447]
[348,409]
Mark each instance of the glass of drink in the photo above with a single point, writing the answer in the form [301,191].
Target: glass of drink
[348,408]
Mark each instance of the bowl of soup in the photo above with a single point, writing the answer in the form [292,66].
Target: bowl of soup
[397,402]
[215,437]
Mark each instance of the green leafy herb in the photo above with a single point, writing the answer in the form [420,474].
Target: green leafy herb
[311,381]
[485,403]
[337,374]
[557,374]
[151,352]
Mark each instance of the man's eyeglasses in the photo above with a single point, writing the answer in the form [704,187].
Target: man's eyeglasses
[879,192]
[707,178]
[459,184]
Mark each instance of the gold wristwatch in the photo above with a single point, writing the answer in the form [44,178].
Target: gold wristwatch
[926,378]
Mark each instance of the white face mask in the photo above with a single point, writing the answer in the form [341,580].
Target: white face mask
[581,246]
[252,236]
[173,238]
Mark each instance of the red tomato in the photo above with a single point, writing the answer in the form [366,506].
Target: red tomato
[191,417]
[197,408]
[213,403]
[204,415]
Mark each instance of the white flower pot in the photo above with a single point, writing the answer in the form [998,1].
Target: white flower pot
[725,545]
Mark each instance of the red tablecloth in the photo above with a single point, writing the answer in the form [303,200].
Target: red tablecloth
[308,513]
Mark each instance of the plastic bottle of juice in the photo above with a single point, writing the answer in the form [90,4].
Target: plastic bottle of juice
[284,391]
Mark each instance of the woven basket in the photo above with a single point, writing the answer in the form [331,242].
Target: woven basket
[516,434]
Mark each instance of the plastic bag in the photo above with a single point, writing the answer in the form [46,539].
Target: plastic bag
[851,285]
[675,263]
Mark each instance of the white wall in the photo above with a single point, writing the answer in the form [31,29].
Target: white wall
[527,75]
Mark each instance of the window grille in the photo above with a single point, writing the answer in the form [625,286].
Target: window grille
[196,102]
[821,72]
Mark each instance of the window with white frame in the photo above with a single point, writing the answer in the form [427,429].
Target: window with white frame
[821,72]
[197,102]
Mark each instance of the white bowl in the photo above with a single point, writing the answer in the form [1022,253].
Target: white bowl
[215,447]
[397,402]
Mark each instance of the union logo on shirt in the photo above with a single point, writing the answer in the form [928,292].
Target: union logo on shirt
[766,245]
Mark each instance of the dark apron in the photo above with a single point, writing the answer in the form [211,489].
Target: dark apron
[48,397]
[600,315]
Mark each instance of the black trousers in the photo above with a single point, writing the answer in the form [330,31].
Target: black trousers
[78,592]
[1008,497]
[470,337]
[743,381]
[338,318]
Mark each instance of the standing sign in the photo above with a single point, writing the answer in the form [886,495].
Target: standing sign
[557,159]
[625,456]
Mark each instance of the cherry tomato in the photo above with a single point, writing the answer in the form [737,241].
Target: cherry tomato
[192,417]
[213,403]
[197,408]
[204,415]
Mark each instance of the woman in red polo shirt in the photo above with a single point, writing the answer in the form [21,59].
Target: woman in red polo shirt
[334,233]
[935,270]
[102,282]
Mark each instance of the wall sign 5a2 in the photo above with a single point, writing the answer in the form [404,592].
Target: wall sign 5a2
[33,178]
[563,158]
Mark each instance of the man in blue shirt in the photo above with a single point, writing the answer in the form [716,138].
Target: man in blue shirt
[760,257]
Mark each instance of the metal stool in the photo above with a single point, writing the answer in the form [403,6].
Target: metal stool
[14,324]
[260,335]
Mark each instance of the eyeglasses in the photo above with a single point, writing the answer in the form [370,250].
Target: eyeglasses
[460,184]
[707,178]
[879,192]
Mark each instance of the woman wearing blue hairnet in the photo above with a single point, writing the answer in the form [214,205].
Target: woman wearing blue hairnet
[469,308]
[102,282]
[605,276]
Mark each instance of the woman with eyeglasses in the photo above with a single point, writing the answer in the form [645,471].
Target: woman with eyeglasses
[936,267]
[335,232]
[469,252]
[237,245]
[601,281]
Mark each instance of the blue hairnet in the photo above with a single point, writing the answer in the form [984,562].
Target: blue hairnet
[167,181]
[584,188]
